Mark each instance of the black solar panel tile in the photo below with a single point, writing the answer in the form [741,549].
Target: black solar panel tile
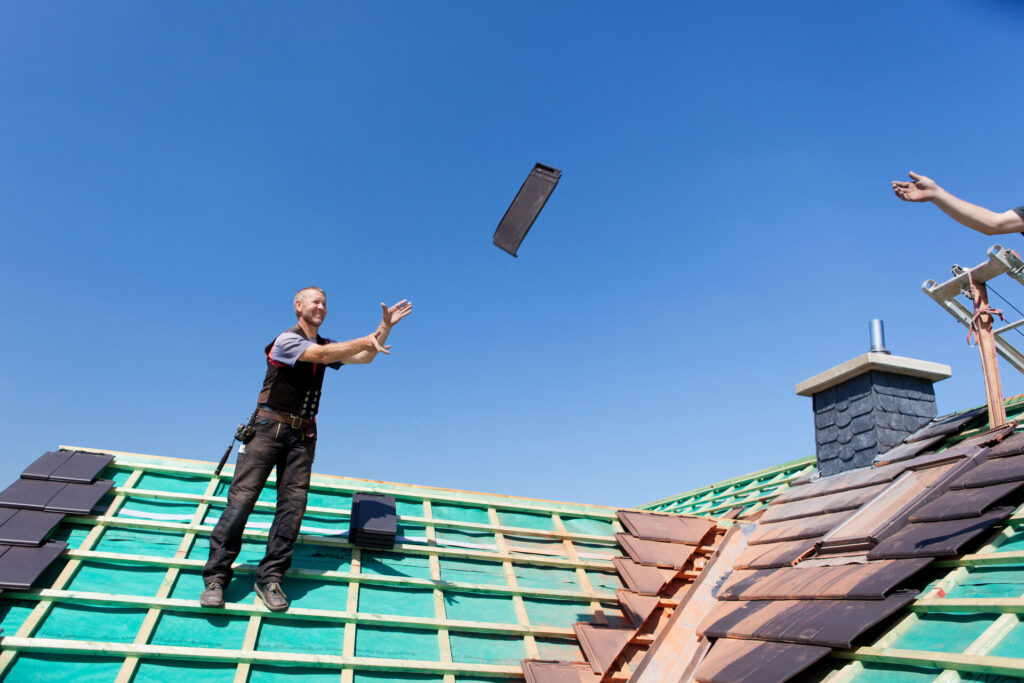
[30,494]
[936,539]
[46,464]
[81,468]
[28,527]
[20,567]
[964,503]
[830,623]
[744,661]
[79,498]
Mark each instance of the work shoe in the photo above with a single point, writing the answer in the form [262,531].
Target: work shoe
[272,596]
[213,595]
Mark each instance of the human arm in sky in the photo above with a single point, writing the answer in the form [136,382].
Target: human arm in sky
[389,318]
[923,189]
[354,351]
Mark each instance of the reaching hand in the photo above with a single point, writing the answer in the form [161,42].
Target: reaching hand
[375,345]
[922,189]
[392,315]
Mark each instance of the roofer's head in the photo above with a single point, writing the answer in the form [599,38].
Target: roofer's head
[311,305]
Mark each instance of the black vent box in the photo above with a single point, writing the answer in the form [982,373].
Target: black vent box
[373,522]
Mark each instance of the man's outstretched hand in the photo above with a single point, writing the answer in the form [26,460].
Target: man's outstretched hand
[395,313]
[919,189]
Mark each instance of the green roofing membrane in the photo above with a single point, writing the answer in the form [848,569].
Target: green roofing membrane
[386,608]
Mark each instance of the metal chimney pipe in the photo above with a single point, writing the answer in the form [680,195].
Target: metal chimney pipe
[877,328]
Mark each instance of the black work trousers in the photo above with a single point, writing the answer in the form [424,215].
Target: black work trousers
[291,451]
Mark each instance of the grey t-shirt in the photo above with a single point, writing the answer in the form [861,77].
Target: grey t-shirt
[290,345]
[1020,212]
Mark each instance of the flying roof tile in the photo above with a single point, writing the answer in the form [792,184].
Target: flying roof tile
[20,567]
[28,527]
[868,581]
[948,424]
[44,466]
[663,527]
[964,503]
[832,623]
[81,468]
[936,539]
[737,661]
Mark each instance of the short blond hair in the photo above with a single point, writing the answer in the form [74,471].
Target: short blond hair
[298,295]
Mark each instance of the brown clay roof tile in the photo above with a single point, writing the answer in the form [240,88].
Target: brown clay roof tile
[936,539]
[741,661]
[831,623]
[641,578]
[657,553]
[868,581]
[964,503]
[665,527]
[769,555]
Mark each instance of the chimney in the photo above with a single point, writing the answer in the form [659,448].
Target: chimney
[868,404]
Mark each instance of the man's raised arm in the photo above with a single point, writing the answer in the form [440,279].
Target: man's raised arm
[354,351]
[923,189]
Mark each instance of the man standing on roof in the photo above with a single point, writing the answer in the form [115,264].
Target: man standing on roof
[285,438]
[923,189]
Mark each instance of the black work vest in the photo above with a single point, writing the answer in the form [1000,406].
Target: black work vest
[293,389]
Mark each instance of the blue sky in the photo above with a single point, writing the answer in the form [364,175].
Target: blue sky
[170,173]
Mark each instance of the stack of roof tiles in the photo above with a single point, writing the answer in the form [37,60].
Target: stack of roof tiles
[664,555]
[827,565]
[58,483]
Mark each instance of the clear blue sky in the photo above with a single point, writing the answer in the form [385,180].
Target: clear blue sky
[170,173]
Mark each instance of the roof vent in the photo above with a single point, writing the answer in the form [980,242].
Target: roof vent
[877,328]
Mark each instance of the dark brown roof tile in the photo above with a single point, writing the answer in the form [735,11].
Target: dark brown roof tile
[743,661]
[993,471]
[964,503]
[657,553]
[844,500]
[831,623]
[769,555]
[867,581]
[665,527]
[947,424]
[640,578]
[796,529]
[637,607]
[20,567]
[602,644]
[936,539]
[550,671]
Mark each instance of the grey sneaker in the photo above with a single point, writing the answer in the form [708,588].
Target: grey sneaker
[272,596]
[213,595]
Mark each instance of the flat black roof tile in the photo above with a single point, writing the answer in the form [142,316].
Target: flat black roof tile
[20,567]
[81,468]
[28,527]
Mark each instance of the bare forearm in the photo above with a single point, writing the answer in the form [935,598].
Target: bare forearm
[344,351]
[976,217]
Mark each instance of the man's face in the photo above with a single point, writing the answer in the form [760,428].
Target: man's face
[311,306]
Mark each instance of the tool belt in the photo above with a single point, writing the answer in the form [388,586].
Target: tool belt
[294,421]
